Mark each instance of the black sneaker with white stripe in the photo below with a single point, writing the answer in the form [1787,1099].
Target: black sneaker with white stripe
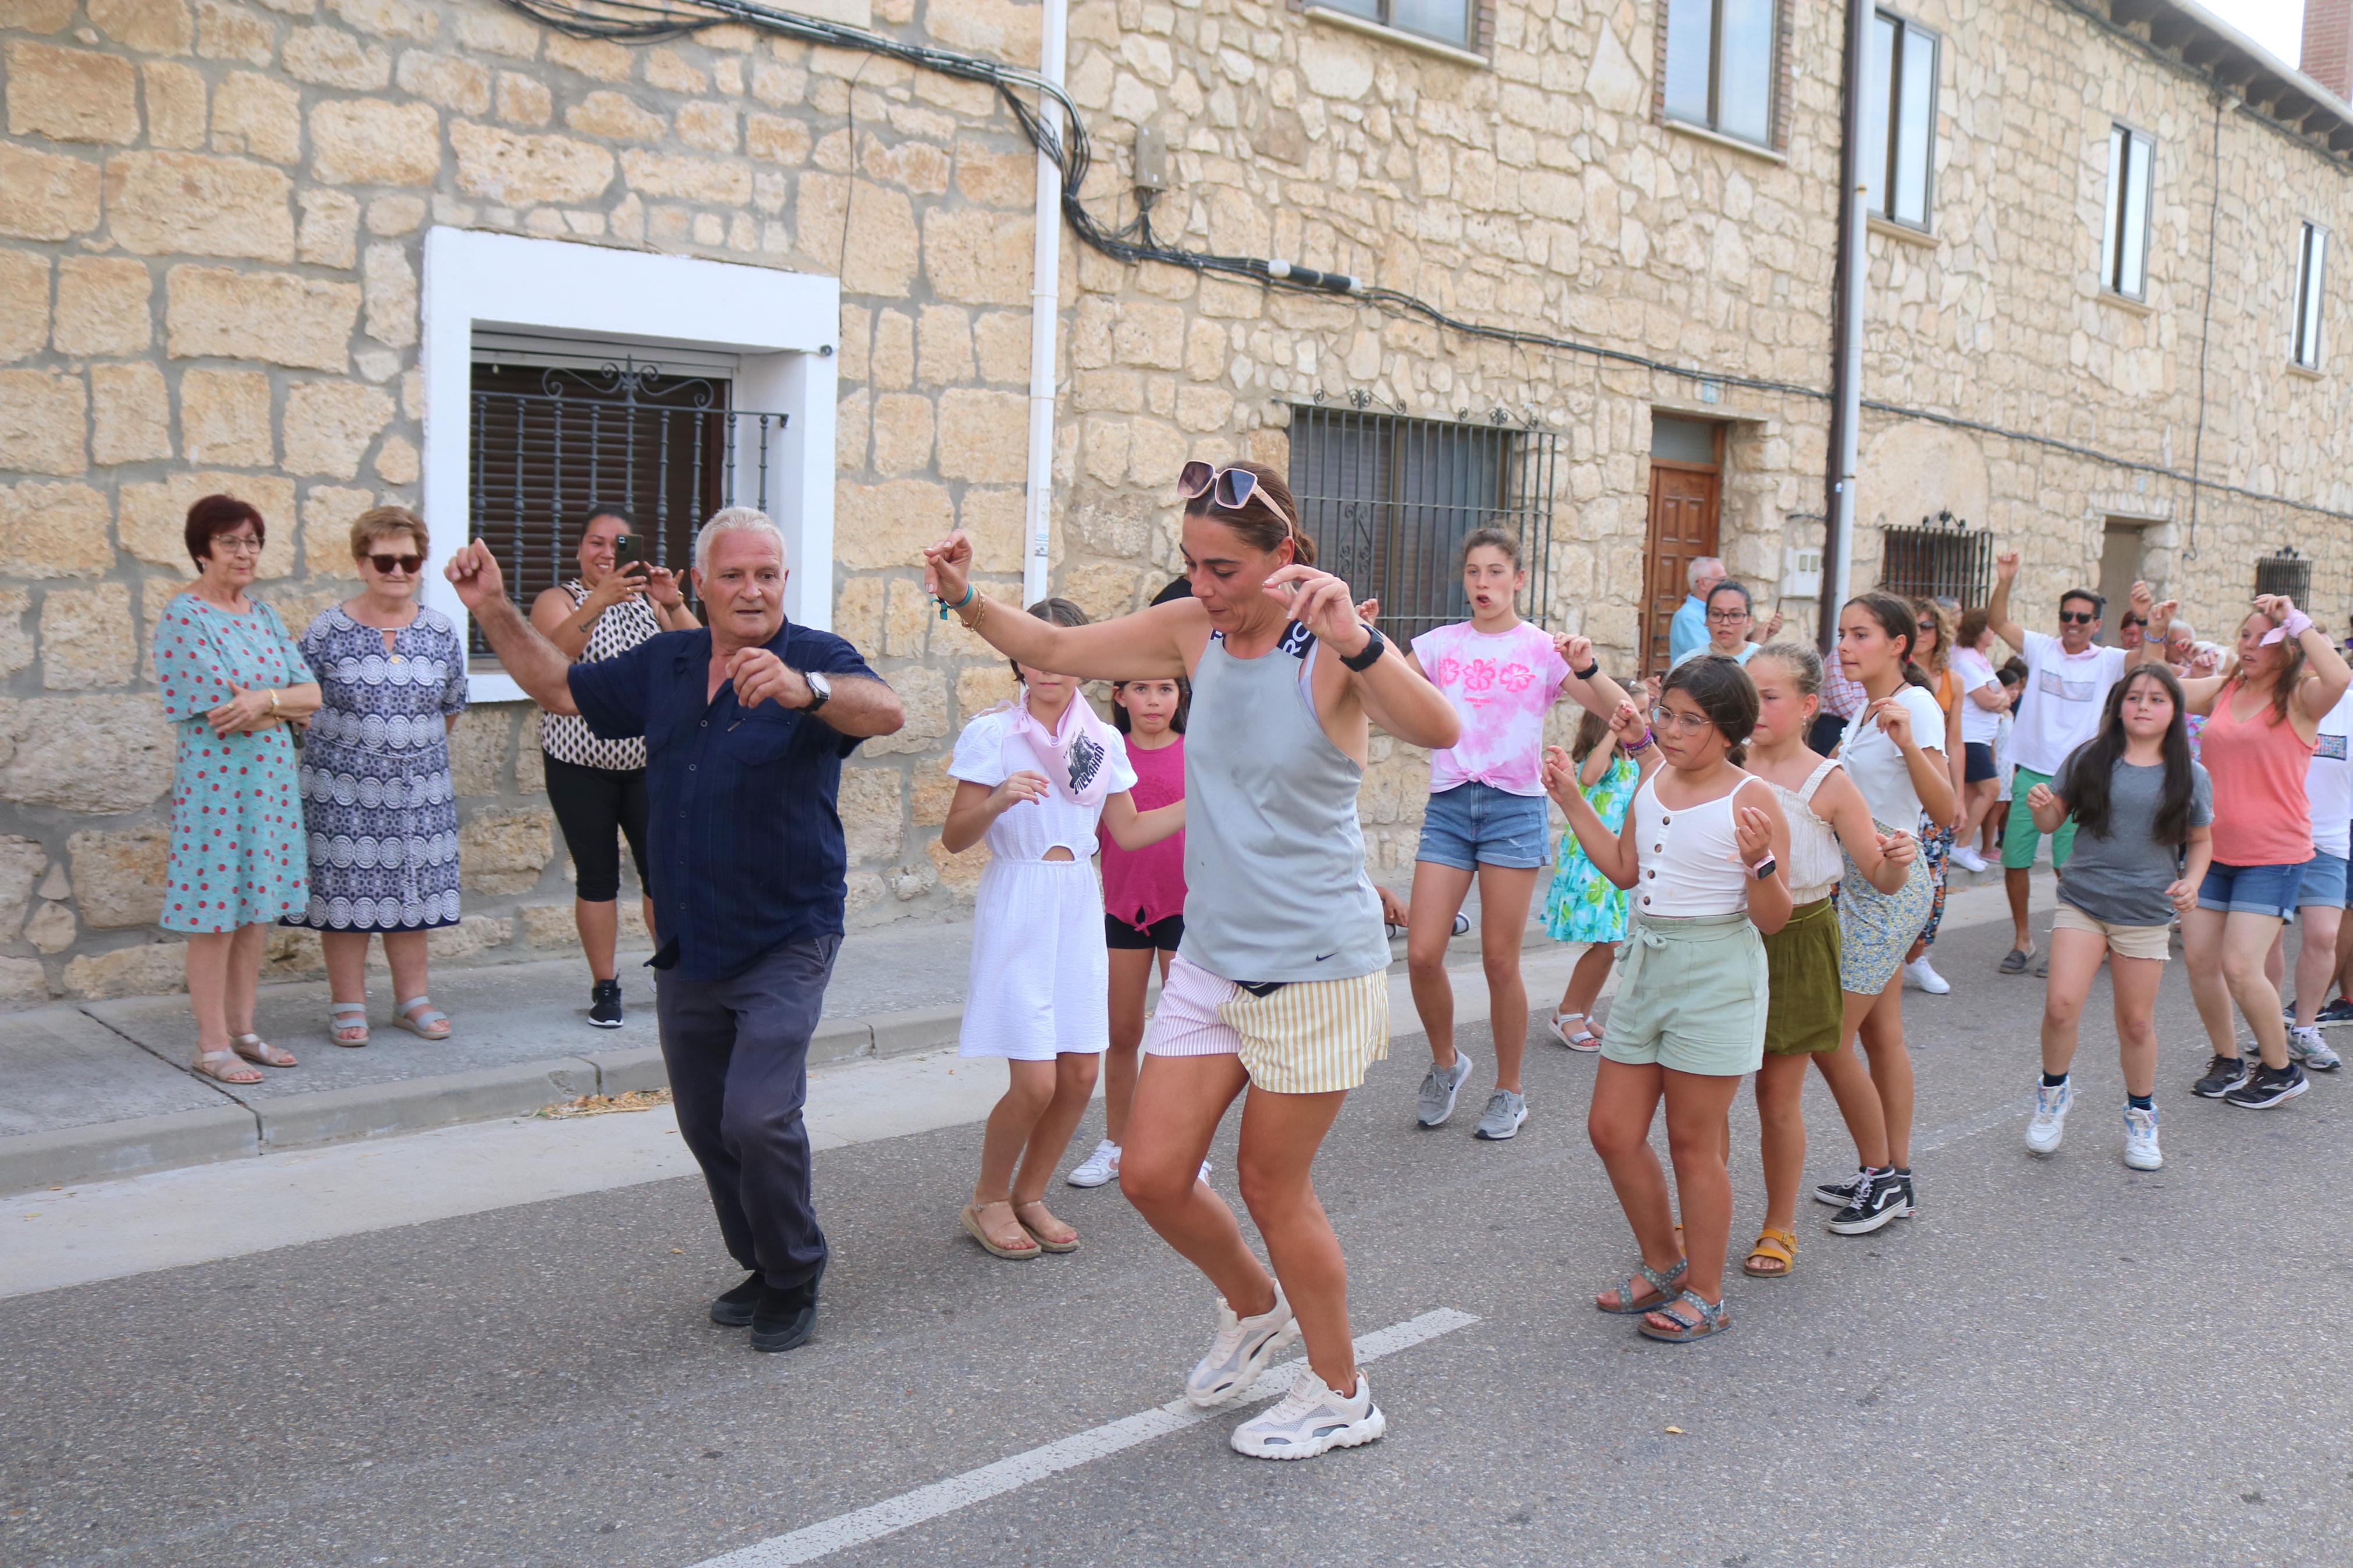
[1837,1195]
[2223,1074]
[1886,1199]
[2268,1086]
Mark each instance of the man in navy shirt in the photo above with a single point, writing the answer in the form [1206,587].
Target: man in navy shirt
[746,724]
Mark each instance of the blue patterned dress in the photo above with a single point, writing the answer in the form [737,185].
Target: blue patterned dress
[237,826]
[1583,905]
[381,806]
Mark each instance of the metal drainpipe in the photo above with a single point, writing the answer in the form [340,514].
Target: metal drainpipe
[1045,306]
[1846,365]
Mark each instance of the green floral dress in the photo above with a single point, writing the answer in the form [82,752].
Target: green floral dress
[1582,904]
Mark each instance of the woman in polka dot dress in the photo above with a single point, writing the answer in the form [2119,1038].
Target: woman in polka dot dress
[232,680]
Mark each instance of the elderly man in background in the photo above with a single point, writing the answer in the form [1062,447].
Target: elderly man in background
[747,724]
[1688,631]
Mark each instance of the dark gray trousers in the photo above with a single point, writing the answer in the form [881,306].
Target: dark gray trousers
[737,1052]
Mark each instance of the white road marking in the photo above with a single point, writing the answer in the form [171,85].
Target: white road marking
[894,1514]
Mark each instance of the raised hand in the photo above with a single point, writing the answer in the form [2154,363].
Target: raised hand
[1559,771]
[1753,831]
[1320,602]
[2039,798]
[661,586]
[2005,567]
[2205,661]
[948,567]
[1895,719]
[1898,848]
[2144,601]
[1025,786]
[761,676]
[1576,652]
[1627,723]
[1370,611]
[1772,627]
[473,572]
[631,581]
[2161,616]
[2278,606]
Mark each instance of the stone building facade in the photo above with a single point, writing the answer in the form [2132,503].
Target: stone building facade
[218,220]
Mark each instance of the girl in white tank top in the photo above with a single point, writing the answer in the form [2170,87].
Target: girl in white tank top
[1701,854]
[1825,812]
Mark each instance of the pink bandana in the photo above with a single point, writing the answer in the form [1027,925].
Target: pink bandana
[1076,752]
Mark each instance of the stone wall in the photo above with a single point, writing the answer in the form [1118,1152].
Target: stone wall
[212,217]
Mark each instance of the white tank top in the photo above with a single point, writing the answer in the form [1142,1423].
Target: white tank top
[1816,861]
[1690,860]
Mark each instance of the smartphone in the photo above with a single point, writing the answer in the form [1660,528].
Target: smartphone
[625,554]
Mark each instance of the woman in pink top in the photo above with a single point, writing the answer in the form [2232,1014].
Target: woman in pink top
[1486,816]
[2262,726]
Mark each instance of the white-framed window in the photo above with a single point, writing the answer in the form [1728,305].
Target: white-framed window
[1723,62]
[2124,238]
[780,329]
[2311,278]
[1452,22]
[1899,130]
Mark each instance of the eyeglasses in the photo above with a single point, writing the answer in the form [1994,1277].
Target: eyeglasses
[1667,719]
[237,543]
[1929,626]
[1727,615]
[2076,617]
[1229,490]
[408,564]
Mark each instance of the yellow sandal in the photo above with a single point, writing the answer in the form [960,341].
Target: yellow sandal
[1781,1246]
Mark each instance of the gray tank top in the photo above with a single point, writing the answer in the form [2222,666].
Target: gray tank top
[1275,861]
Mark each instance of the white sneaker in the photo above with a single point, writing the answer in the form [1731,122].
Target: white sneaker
[2050,1123]
[1243,1348]
[1311,1420]
[1098,1168]
[2304,1045]
[1919,975]
[1966,859]
[2140,1139]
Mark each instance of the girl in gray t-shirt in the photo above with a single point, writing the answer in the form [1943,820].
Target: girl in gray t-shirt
[2141,807]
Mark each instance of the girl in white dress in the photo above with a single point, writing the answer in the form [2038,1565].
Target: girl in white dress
[1033,779]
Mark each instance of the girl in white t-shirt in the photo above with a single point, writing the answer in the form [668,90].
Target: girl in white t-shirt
[1983,704]
[1034,778]
[1894,754]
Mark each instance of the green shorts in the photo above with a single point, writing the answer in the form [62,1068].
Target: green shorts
[2021,837]
[1691,995]
[1808,1003]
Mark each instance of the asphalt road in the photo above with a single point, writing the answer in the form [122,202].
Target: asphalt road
[2059,1360]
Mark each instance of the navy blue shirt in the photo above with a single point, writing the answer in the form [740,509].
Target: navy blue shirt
[744,844]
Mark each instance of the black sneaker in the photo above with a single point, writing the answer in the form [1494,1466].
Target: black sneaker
[1837,1195]
[2269,1086]
[1889,1197]
[2338,1011]
[785,1318]
[2223,1074]
[734,1310]
[605,1005]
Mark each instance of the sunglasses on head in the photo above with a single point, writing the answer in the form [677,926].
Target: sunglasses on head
[1229,490]
[2077,617]
[2134,623]
[409,564]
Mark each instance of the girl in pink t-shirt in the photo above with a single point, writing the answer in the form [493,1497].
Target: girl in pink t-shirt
[1487,816]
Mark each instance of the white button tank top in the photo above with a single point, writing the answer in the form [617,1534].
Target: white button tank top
[1690,860]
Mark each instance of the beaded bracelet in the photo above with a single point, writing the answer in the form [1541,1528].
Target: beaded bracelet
[1641,745]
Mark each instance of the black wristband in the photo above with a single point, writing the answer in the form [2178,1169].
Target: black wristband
[1370,654]
[1588,672]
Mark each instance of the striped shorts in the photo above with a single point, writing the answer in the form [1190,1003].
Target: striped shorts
[1309,1037]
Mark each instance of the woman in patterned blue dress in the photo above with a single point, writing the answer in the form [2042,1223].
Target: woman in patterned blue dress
[231,680]
[1583,905]
[377,796]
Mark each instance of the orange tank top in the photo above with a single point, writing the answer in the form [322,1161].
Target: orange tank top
[2261,816]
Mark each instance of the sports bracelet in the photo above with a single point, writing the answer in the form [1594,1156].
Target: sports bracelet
[958,606]
[1588,672]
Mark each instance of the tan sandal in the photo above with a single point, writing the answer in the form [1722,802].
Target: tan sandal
[1069,1243]
[223,1067]
[974,1228]
[261,1052]
[1780,1246]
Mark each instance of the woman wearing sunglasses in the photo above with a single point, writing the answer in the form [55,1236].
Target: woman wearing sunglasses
[1280,987]
[376,793]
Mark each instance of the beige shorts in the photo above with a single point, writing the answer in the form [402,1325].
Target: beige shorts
[1309,1037]
[2125,942]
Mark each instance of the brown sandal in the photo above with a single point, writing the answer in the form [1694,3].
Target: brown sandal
[1780,1246]
[974,1228]
[1052,1243]
[223,1067]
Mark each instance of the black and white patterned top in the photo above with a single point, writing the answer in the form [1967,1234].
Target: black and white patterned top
[566,736]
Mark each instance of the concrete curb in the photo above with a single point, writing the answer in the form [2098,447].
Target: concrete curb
[108,1149]
[407,1105]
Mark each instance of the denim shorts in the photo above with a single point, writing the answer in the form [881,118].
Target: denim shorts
[2250,890]
[2323,884]
[1475,824]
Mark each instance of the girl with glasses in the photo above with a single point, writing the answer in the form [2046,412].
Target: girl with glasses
[1279,993]
[1732,629]
[1935,625]
[1895,754]
[1703,852]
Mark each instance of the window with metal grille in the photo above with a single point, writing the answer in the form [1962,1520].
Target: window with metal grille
[1388,500]
[2311,272]
[2285,571]
[2123,241]
[1899,133]
[1452,22]
[1723,58]
[549,441]
[1941,559]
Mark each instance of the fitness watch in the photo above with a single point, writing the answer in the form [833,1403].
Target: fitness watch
[1766,868]
[1370,654]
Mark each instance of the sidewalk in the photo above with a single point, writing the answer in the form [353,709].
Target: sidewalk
[94,1089]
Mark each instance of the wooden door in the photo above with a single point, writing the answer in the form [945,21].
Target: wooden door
[1684,513]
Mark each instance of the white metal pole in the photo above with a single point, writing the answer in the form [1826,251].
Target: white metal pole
[1855,260]
[1044,307]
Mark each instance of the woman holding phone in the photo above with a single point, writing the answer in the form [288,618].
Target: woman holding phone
[598,788]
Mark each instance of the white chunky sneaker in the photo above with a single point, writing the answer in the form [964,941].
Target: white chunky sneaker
[1243,1348]
[2306,1045]
[1921,976]
[1098,1168]
[1966,859]
[1311,1420]
[2050,1123]
[2140,1139]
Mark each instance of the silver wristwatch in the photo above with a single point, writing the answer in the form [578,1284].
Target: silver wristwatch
[820,690]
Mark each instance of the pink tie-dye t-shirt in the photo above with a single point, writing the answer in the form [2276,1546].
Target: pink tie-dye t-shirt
[1501,685]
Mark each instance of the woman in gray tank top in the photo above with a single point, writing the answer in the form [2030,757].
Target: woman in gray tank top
[1281,986]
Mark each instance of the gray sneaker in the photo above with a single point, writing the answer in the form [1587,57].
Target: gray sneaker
[1504,1112]
[1438,1089]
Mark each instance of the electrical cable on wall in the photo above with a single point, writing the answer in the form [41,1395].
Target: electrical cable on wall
[644,21]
